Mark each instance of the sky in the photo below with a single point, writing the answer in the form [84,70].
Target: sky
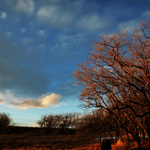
[41,44]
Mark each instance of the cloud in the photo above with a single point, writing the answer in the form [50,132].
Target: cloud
[23,30]
[128,25]
[27,41]
[25,124]
[54,15]
[42,102]
[72,14]
[3,15]
[92,22]
[34,124]
[146,13]
[8,96]
[58,16]
[40,32]
[18,70]
[8,34]
[1,101]
[25,6]
[76,38]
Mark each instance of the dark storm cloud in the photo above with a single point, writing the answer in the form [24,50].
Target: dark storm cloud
[14,74]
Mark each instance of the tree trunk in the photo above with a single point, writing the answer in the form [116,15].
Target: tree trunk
[143,135]
[128,137]
[139,142]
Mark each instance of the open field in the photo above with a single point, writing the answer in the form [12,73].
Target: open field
[46,142]
[59,142]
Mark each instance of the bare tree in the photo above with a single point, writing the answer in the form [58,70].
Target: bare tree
[59,123]
[5,121]
[69,121]
[117,76]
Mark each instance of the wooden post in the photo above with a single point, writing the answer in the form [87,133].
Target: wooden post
[106,144]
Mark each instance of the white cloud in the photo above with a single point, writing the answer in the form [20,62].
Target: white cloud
[92,22]
[3,15]
[8,34]
[54,15]
[23,30]
[27,40]
[73,16]
[76,38]
[34,124]
[68,102]
[146,14]
[7,96]
[41,46]
[20,103]
[42,102]
[41,32]
[64,44]
[28,124]
[25,6]
[128,25]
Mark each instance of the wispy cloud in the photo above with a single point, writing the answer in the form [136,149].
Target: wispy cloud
[7,96]
[27,41]
[60,16]
[1,101]
[146,13]
[25,6]
[54,15]
[92,22]
[40,32]
[28,124]
[3,15]
[14,72]
[76,38]
[128,25]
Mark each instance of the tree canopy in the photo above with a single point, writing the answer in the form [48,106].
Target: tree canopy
[116,77]
[5,121]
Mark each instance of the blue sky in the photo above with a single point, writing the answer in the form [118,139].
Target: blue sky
[41,43]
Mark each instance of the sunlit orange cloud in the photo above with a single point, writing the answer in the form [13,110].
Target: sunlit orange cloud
[1,101]
[29,124]
[42,102]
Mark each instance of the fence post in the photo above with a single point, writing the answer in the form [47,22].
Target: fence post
[106,144]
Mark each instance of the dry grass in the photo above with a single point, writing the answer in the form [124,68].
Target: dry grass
[60,142]
[46,142]
[129,145]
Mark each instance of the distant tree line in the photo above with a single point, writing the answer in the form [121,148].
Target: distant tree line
[97,122]
[5,121]
[59,124]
